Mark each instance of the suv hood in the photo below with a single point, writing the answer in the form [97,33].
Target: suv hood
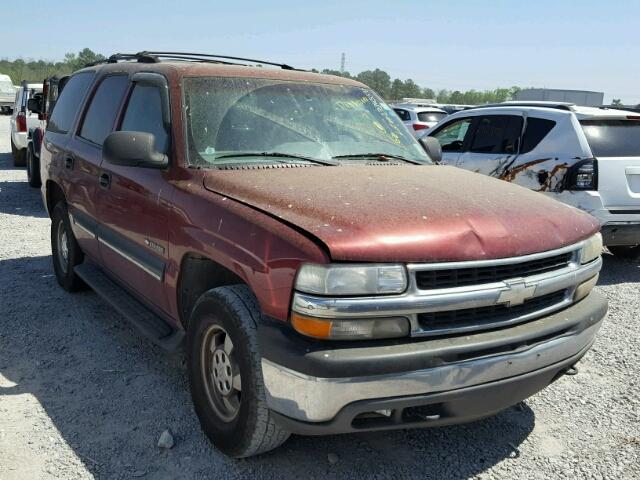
[407,213]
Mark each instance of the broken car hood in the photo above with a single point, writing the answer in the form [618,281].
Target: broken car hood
[407,213]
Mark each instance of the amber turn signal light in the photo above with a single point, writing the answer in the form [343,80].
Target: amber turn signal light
[311,327]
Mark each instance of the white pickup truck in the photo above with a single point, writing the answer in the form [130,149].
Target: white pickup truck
[7,93]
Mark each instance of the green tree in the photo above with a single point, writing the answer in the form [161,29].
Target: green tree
[397,90]
[411,90]
[378,80]
[616,102]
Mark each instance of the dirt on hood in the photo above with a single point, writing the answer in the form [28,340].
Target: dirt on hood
[407,213]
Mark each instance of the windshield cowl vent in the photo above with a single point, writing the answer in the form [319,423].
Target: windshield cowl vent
[265,167]
[383,164]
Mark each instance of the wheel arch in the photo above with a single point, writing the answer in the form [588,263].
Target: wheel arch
[54,194]
[197,275]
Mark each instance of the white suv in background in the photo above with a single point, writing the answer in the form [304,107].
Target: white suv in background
[22,119]
[418,118]
[583,156]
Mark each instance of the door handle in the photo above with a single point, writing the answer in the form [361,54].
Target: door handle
[105,180]
[68,163]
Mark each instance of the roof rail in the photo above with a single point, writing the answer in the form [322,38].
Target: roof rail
[556,105]
[205,56]
[155,57]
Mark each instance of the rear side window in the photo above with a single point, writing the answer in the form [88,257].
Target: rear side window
[613,138]
[69,101]
[103,109]
[144,114]
[537,129]
[431,116]
[497,134]
[403,114]
[451,136]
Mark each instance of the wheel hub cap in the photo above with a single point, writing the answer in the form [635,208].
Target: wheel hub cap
[222,373]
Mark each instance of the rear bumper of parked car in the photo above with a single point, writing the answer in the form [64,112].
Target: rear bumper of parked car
[620,225]
[321,388]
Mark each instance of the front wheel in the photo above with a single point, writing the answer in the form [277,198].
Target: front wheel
[33,168]
[225,373]
[625,251]
[65,250]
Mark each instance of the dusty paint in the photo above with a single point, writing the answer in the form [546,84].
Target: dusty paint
[407,213]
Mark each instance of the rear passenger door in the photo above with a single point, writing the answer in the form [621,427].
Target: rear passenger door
[493,144]
[134,201]
[55,156]
[84,155]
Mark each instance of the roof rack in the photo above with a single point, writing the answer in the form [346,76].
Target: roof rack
[156,57]
[556,105]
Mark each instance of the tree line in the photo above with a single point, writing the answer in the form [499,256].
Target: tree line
[38,70]
[379,80]
[397,89]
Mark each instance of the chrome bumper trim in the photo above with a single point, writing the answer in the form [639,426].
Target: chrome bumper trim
[314,399]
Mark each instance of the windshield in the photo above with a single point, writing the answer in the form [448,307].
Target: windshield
[613,138]
[304,121]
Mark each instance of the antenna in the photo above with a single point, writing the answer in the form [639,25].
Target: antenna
[342,63]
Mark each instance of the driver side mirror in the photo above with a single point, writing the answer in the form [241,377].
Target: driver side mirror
[432,146]
[133,149]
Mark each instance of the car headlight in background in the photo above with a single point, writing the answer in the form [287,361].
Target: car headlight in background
[592,249]
[337,279]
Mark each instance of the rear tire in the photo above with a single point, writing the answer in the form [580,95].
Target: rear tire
[19,155]
[225,373]
[33,168]
[65,250]
[625,251]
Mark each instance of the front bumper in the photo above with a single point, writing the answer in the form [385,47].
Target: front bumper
[326,388]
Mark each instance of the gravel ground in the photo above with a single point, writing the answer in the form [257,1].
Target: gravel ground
[81,395]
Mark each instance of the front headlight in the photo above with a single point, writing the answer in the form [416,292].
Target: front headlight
[354,279]
[592,249]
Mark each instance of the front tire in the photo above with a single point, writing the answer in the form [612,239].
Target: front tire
[19,155]
[625,251]
[65,250]
[225,373]
[33,168]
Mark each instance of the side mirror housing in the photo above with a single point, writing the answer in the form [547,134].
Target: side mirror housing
[133,149]
[34,105]
[432,146]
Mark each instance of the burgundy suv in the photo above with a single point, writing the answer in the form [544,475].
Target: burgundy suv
[288,232]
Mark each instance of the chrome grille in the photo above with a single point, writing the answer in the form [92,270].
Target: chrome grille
[459,277]
[484,317]
[487,294]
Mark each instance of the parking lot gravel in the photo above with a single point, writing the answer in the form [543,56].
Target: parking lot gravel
[83,396]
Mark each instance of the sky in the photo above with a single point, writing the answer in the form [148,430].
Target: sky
[458,45]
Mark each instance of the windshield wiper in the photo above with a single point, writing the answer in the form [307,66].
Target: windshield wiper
[278,154]
[379,156]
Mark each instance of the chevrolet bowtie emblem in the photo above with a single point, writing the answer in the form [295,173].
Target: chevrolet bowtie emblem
[517,292]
